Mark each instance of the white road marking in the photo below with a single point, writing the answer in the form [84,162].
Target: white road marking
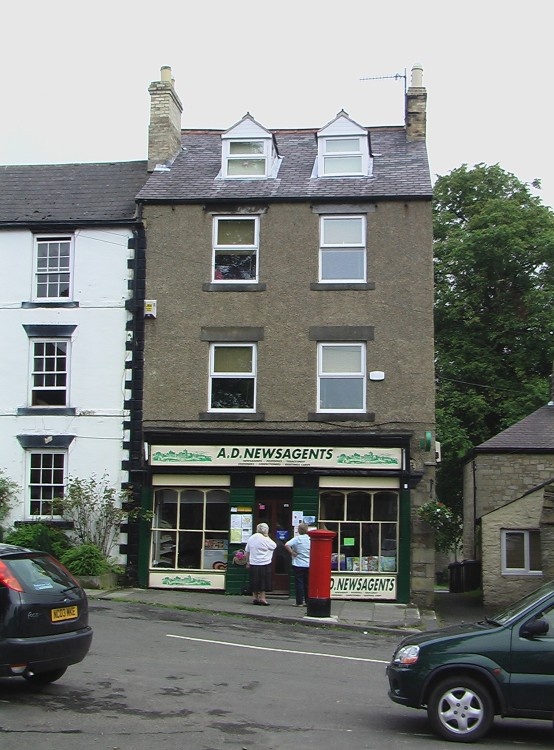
[276,650]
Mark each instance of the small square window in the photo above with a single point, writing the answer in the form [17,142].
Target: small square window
[341,377]
[232,377]
[235,249]
[521,551]
[342,249]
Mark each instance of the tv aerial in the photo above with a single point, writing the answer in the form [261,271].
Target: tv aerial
[395,76]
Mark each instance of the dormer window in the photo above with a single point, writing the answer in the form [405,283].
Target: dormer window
[343,149]
[246,159]
[248,151]
[342,156]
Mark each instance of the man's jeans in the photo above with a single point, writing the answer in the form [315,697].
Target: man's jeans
[301,583]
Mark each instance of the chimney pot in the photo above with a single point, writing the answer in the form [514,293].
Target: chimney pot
[416,106]
[417,76]
[165,74]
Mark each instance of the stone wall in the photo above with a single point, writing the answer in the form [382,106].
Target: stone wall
[492,480]
[499,588]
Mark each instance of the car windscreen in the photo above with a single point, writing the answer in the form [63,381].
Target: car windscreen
[503,617]
[38,573]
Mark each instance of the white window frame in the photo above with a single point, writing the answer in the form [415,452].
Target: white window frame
[252,250]
[252,375]
[526,570]
[49,274]
[337,248]
[228,157]
[167,539]
[45,372]
[42,485]
[359,375]
[324,155]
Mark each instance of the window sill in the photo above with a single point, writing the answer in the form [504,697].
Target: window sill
[33,305]
[231,416]
[332,286]
[43,411]
[367,416]
[515,572]
[232,287]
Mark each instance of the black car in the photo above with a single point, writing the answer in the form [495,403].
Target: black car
[464,675]
[43,616]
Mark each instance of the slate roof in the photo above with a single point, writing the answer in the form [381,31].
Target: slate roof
[79,193]
[533,434]
[400,170]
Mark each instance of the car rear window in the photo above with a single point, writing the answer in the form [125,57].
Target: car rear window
[38,573]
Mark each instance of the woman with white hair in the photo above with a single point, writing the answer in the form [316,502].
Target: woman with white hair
[259,553]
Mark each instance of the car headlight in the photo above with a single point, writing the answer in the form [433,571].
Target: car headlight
[406,655]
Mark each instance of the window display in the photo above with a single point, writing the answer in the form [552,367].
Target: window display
[366,524]
[190,529]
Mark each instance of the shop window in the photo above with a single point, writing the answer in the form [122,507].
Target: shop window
[366,526]
[190,529]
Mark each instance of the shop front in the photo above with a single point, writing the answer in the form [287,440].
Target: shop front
[207,500]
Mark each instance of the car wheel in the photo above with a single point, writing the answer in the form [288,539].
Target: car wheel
[44,678]
[460,709]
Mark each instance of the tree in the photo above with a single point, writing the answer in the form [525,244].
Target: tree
[494,326]
[97,511]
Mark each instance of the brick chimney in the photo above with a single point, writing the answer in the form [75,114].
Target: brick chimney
[164,131]
[416,106]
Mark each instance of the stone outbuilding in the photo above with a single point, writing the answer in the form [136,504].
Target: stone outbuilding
[509,507]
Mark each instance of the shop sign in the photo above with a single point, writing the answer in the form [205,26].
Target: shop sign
[174,579]
[214,456]
[363,586]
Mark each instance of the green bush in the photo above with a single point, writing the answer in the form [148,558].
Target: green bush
[41,536]
[9,491]
[85,560]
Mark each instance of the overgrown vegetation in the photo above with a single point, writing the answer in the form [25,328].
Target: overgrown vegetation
[41,536]
[97,511]
[85,560]
[9,491]
[447,524]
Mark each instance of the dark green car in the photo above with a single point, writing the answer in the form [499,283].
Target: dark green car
[464,675]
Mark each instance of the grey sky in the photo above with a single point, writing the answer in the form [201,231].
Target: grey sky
[75,76]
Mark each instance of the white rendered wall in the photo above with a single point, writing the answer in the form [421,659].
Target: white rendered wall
[97,356]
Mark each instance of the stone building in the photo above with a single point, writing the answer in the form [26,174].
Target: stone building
[288,347]
[509,507]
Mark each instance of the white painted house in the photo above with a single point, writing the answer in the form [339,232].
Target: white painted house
[68,235]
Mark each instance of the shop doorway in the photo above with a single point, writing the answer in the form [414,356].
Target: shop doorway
[275,508]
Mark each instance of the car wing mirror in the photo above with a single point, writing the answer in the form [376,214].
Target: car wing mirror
[534,627]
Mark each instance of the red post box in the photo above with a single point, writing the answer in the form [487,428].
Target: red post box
[319,581]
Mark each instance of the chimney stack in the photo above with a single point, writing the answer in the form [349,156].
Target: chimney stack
[416,106]
[164,131]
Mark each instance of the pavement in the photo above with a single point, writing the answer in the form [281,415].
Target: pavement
[345,613]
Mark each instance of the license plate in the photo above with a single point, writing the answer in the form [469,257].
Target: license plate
[64,613]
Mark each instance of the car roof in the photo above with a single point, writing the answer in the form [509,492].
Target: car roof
[10,549]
